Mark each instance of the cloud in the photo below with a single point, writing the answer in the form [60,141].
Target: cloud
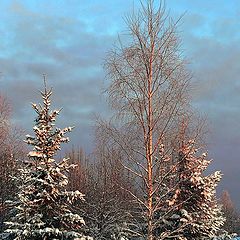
[69,54]
[68,41]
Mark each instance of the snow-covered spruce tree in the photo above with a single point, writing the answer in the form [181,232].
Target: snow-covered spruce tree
[43,205]
[196,214]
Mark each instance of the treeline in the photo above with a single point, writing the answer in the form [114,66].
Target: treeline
[146,176]
[101,177]
[110,209]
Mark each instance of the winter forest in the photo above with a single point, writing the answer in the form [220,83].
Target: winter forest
[148,176]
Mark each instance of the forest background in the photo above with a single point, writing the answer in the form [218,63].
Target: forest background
[210,42]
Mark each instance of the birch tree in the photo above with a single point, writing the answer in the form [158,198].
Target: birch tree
[148,92]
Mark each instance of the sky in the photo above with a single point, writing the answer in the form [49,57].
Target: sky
[68,40]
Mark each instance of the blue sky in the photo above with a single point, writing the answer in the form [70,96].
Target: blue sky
[69,39]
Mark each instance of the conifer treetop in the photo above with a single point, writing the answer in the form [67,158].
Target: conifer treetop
[47,138]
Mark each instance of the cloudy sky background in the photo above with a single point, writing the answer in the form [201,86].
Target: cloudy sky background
[68,40]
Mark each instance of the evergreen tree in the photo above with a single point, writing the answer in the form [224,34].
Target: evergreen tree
[43,206]
[196,213]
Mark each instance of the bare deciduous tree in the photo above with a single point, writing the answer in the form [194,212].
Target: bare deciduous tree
[11,150]
[149,93]
[106,206]
[232,224]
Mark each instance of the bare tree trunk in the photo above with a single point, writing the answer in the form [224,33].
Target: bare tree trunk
[149,153]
